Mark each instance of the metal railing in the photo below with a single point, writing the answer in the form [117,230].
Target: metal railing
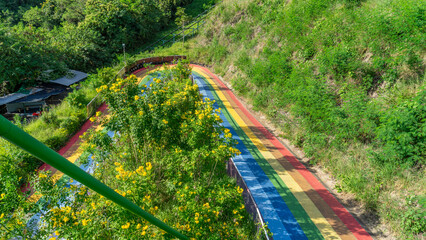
[179,33]
[249,202]
[93,105]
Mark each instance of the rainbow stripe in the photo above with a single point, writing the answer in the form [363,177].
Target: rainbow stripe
[293,203]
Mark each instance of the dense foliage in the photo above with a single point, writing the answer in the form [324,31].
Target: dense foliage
[169,158]
[76,34]
[342,79]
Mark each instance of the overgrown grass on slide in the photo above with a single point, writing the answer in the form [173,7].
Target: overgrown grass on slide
[342,79]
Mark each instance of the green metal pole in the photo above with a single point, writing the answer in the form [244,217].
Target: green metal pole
[22,139]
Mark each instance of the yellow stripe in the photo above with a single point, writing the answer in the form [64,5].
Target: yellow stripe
[317,218]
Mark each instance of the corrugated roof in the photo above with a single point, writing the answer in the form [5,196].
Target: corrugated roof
[46,93]
[72,77]
[15,96]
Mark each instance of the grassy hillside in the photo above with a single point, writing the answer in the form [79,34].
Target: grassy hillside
[343,79]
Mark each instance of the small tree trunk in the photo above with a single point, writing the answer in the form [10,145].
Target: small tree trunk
[183,30]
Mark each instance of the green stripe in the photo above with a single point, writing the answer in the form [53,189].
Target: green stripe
[299,213]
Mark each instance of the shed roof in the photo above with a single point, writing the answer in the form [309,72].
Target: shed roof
[40,96]
[16,96]
[72,77]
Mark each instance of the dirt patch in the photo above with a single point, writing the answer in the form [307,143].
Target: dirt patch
[369,220]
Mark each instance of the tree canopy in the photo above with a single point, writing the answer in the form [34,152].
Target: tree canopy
[38,36]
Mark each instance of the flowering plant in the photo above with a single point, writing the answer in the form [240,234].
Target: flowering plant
[169,157]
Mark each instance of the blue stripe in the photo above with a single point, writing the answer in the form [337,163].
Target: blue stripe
[272,207]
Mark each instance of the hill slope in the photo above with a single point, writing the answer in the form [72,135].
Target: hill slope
[342,79]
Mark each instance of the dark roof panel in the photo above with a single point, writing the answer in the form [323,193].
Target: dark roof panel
[16,96]
[46,93]
[72,77]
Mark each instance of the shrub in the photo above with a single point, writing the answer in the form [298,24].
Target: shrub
[403,133]
[414,219]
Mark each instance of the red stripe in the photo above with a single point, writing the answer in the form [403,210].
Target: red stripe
[139,70]
[357,230]
[68,145]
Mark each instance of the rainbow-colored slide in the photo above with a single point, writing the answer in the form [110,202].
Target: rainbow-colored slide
[291,200]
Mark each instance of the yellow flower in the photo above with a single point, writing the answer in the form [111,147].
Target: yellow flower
[52,238]
[143,233]
[148,166]
[92,119]
[66,219]
[136,97]
[2,195]
[165,121]
[117,164]
[84,222]
[126,226]
[42,175]
[98,114]
[2,216]
[57,233]
[138,226]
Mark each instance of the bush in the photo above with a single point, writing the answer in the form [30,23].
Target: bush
[403,133]
[414,219]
